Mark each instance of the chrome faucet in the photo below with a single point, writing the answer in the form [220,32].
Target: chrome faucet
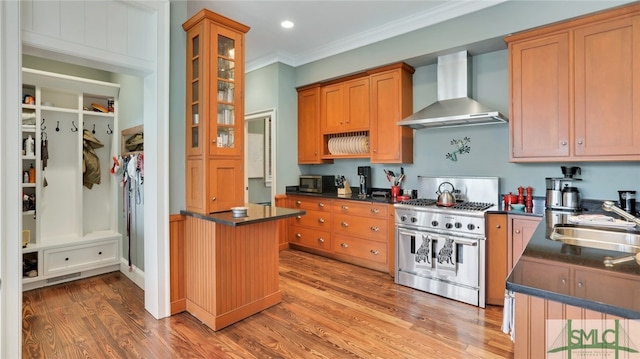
[611,207]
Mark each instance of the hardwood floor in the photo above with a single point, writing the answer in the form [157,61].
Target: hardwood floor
[329,310]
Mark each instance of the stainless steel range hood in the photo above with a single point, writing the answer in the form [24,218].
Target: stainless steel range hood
[454,106]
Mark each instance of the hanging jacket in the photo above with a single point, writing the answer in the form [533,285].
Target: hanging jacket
[90,161]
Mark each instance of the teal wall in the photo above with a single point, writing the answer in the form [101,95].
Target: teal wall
[274,87]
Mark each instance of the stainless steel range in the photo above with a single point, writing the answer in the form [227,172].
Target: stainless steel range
[442,249]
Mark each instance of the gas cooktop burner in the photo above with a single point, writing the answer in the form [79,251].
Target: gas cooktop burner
[465,206]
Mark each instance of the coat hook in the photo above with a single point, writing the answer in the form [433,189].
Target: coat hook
[74,129]
[57,126]
[109,131]
[42,126]
[94,129]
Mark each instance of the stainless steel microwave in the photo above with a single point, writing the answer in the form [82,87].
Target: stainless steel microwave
[317,184]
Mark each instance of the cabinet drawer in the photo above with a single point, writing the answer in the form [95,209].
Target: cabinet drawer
[360,248]
[310,237]
[68,259]
[369,228]
[305,202]
[373,210]
[314,219]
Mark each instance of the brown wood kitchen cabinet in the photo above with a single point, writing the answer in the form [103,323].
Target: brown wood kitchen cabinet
[391,101]
[574,86]
[345,106]
[364,104]
[497,249]
[355,232]
[521,229]
[310,144]
[214,112]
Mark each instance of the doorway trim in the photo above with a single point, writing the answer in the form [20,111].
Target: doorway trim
[269,113]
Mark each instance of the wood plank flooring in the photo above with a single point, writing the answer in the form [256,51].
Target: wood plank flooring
[329,310]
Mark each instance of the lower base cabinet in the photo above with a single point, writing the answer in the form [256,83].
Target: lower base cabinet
[356,232]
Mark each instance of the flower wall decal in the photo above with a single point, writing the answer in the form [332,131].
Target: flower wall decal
[462,147]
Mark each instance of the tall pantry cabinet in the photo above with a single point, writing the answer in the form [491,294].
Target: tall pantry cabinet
[69,216]
[215,112]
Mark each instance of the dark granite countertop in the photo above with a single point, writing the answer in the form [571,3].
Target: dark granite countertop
[255,213]
[354,196]
[534,280]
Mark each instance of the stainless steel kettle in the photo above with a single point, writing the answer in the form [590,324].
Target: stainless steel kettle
[445,198]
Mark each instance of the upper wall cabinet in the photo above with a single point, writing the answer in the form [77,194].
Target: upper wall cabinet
[214,112]
[356,117]
[575,89]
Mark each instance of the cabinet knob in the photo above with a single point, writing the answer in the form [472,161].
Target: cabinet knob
[564,143]
[320,240]
[344,224]
[344,245]
[517,231]
[213,199]
[298,203]
[213,141]
[564,281]
[345,208]
[298,235]
[66,259]
[321,205]
[298,217]
[320,220]
[498,226]
[375,210]
[375,252]
[579,284]
[579,142]
[374,228]
[100,253]
[375,151]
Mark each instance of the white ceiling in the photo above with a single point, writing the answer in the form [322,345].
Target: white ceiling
[327,27]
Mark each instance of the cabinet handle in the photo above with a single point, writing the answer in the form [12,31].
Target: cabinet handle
[345,224]
[213,199]
[298,203]
[321,205]
[564,143]
[374,228]
[320,240]
[375,210]
[298,235]
[517,231]
[344,245]
[579,284]
[320,220]
[579,142]
[374,252]
[345,208]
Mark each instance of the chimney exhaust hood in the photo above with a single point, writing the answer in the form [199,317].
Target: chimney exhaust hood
[454,106]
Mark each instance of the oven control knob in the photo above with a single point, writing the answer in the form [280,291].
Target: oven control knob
[414,220]
[448,225]
[403,218]
[471,226]
[458,225]
[434,223]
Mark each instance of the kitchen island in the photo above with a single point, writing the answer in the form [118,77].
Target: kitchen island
[231,263]
[552,280]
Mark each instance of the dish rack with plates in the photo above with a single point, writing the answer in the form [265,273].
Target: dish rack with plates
[351,144]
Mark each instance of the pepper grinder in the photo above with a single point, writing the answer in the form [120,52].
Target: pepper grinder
[520,195]
[529,201]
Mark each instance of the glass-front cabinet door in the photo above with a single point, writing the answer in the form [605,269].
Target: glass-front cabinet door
[227,134]
[195,120]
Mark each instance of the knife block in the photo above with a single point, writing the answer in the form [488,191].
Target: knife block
[345,190]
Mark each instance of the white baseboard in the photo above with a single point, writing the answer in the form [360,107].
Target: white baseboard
[135,274]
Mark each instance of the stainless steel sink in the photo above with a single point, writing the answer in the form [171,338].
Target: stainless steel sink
[599,238]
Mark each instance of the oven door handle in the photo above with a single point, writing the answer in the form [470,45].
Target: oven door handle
[465,242]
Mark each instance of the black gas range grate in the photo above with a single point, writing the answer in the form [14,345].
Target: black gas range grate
[465,206]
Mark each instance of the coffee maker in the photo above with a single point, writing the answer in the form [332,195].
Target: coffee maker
[562,193]
[364,174]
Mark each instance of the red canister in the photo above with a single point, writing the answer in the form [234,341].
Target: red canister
[510,198]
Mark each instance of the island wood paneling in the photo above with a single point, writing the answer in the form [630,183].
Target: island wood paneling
[283,225]
[176,263]
[232,271]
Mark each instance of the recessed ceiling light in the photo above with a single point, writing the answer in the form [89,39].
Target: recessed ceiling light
[287,24]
